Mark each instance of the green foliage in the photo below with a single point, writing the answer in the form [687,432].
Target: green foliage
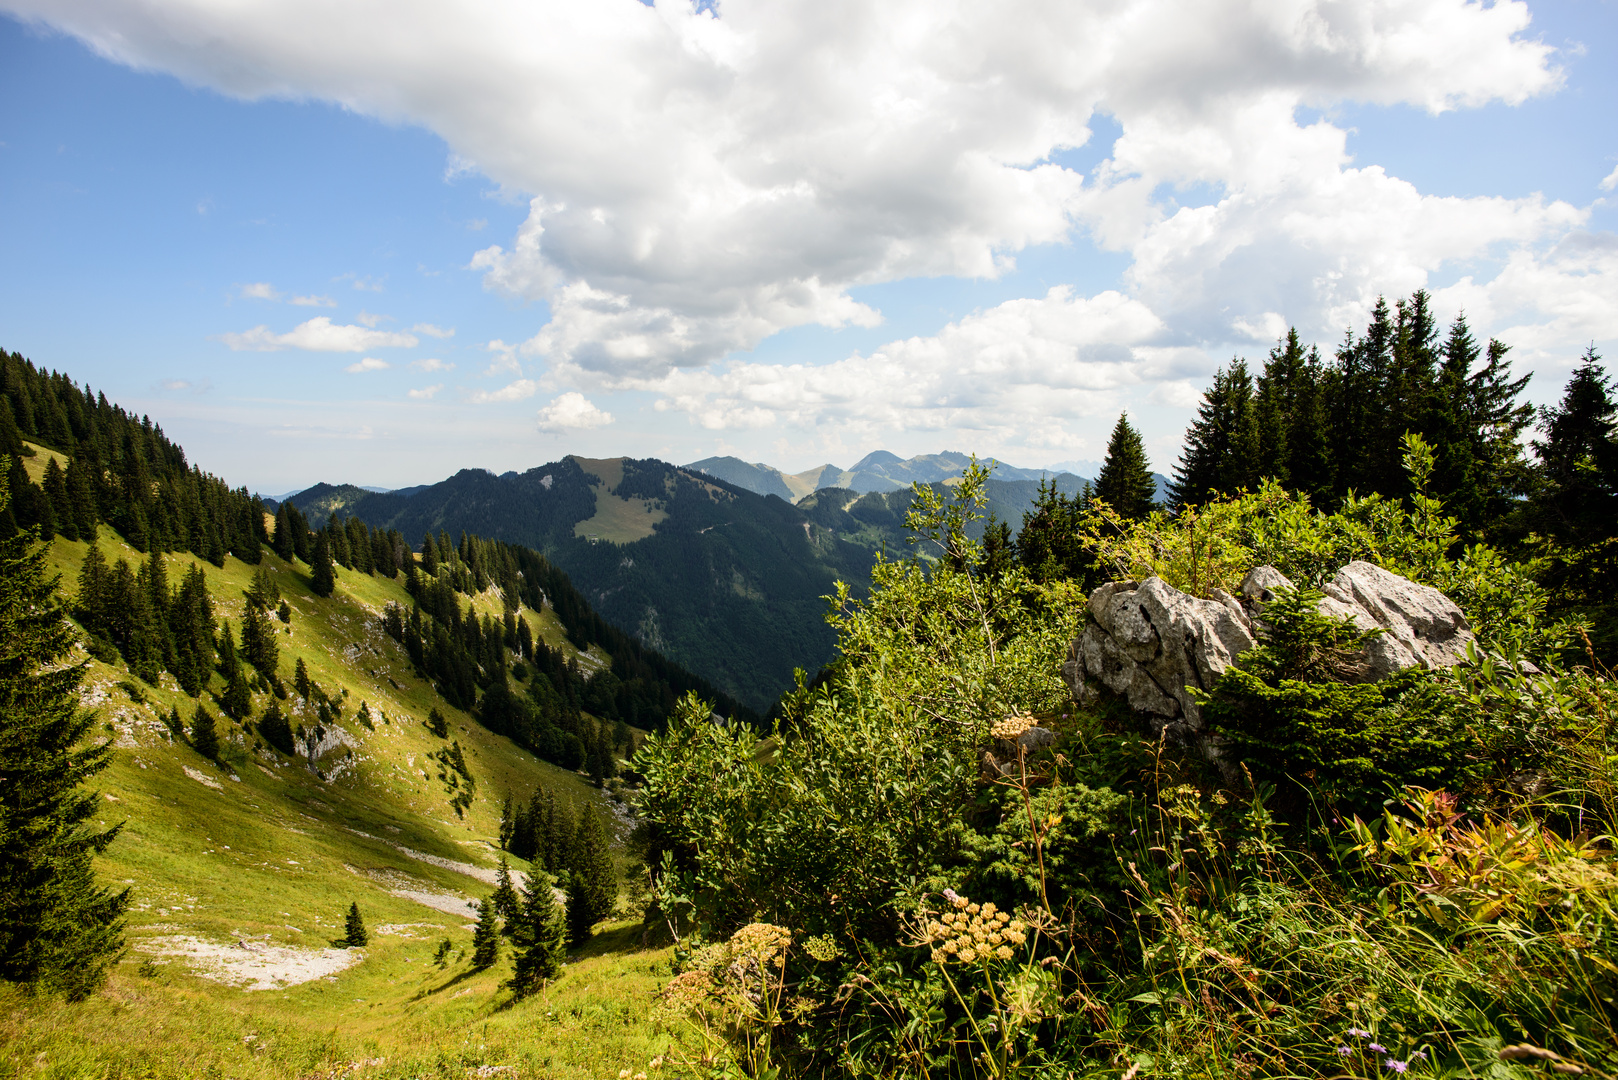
[322,572]
[354,933]
[59,930]
[275,729]
[1289,716]
[1203,548]
[504,902]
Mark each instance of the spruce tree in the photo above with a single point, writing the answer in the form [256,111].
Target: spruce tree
[238,697]
[284,612]
[592,888]
[204,737]
[354,935]
[485,938]
[300,680]
[61,507]
[192,621]
[1126,483]
[59,930]
[275,729]
[541,938]
[282,542]
[322,575]
[505,901]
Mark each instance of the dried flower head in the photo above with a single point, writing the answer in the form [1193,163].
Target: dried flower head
[1012,727]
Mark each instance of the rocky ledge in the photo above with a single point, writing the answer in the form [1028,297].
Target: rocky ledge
[1153,644]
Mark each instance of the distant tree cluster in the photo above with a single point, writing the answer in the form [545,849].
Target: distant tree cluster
[122,470]
[1330,427]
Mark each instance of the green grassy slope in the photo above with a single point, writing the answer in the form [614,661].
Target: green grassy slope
[258,849]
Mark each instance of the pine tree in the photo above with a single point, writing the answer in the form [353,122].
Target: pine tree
[436,723]
[284,612]
[354,935]
[204,737]
[1126,483]
[59,930]
[300,680]
[282,542]
[505,901]
[592,888]
[485,938]
[541,937]
[322,576]
[61,507]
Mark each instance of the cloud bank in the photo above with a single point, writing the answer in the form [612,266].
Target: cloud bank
[699,182]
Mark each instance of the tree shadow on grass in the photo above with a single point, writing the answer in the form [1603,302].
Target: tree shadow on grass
[454,980]
[617,938]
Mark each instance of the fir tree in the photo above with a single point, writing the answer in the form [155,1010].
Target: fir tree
[436,723]
[322,575]
[204,737]
[282,543]
[59,930]
[1126,483]
[485,938]
[1221,448]
[592,888]
[258,640]
[505,901]
[354,935]
[541,938]
[284,612]
[61,507]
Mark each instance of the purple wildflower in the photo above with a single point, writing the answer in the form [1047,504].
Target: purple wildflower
[1377,1048]
[1420,1055]
[1345,1050]
[1359,1033]
[951,895]
[1396,1066]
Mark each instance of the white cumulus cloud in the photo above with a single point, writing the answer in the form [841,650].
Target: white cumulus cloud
[700,180]
[432,363]
[433,331]
[425,393]
[312,301]
[259,290]
[572,411]
[516,391]
[319,334]
[370,363]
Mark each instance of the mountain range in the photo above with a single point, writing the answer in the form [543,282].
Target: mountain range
[721,565]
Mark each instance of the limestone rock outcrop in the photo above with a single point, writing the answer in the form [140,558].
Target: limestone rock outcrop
[1152,644]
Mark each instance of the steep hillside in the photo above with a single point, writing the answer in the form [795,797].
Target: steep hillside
[242,868]
[723,581]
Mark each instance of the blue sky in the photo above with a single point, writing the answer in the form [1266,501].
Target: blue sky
[665,232]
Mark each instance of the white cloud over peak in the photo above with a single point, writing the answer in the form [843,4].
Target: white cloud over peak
[1018,372]
[571,411]
[370,363]
[700,181]
[517,391]
[319,334]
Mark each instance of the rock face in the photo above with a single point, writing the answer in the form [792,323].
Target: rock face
[1152,643]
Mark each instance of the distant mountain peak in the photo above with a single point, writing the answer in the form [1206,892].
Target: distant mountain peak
[876,459]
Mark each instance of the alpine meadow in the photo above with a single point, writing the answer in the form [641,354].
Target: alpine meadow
[711,540]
